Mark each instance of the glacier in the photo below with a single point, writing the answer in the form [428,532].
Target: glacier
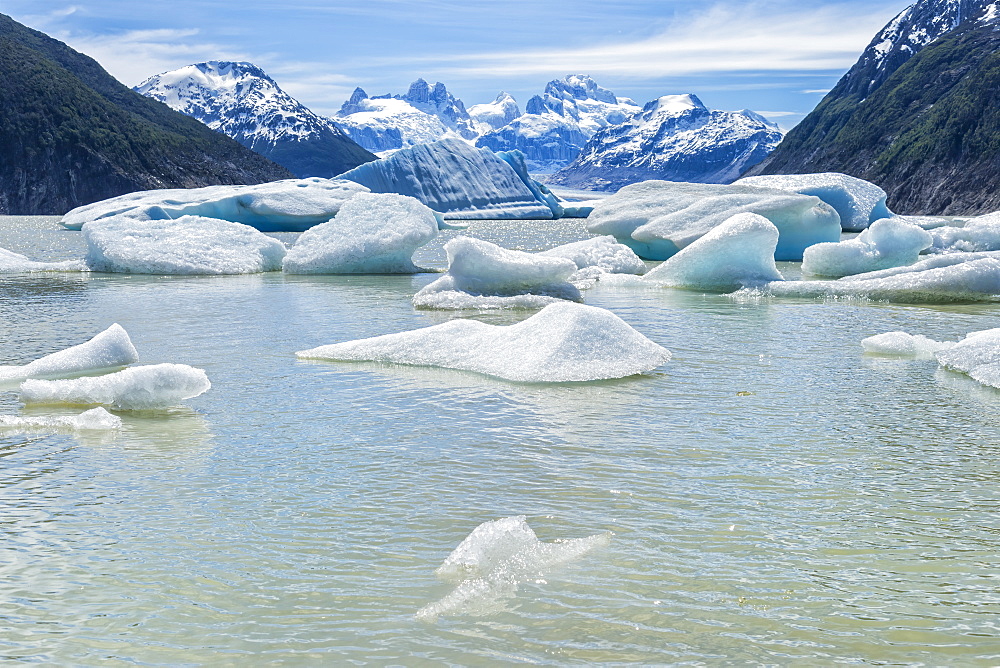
[136,388]
[658,218]
[111,349]
[292,205]
[457,180]
[482,275]
[858,202]
[95,419]
[188,245]
[372,234]
[493,560]
[564,342]
[886,243]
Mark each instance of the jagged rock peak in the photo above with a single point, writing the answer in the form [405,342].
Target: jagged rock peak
[579,87]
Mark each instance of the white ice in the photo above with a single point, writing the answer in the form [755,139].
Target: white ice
[188,245]
[564,342]
[981,233]
[738,253]
[455,179]
[96,419]
[887,243]
[658,218]
[599,255]
[977,355]
[858,202]
[902,344]
[483,275]
[491,563]
[136,388]
[372,234]
[11,262]
[111,349]
[292,205]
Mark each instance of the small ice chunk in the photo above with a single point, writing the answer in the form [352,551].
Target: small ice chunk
[981,233]
[11,263]
[603,254]
[858,202]
[491,562]
[136,388]
[736,254]
[478,269]
[110,349]
[188,245]
[96,419]
[902,344]
[564,342]
[887,243]
[975,350]
[372,234]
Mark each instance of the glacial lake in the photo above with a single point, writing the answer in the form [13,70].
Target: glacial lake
[772,495]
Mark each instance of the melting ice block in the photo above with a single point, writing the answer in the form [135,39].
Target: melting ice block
[977,355]
[901,344]
[96,419]
[110,349]
[658,218]
[737,253]
[292,205]
[372,234]
[981,233]
[136,388]
[11,262]
[458,180]
[858,202]
[600,255]
[887,243]
[492,561]
[484,275]
[188,245]
[563,342]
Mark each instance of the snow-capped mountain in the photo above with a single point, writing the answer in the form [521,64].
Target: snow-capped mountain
[494,115]
[425,114]
[557,124]
[241,101]
[673,138]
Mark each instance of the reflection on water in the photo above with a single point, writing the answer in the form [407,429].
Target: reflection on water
[776,496]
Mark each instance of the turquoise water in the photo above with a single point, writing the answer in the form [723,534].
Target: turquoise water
[843,512]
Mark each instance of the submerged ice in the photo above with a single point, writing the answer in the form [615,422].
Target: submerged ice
[564,342]
[137,388]
[111,349]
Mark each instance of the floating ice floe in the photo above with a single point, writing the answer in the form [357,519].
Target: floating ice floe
[658,218]
[292,205]
[482,275]
[981,233]
[11,262]
[858,202]
[564,342]
[738,253]
[600,255]
[977,355]
[457,180]
[111,349]
[96,419]
[887,243]
[137,388]
[188,245]
[492,562]
[372,234]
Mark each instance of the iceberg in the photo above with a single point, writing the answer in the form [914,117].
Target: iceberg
[738,253]
[902,344]
[96,419]
[293,205]
[493,560]
[11,263]
[858,202]
[977,355]
[887,243]
[188,245]
[484,275]
[658,218]
[564,342]
[137,388]
[111,349]
[599,255]
[457,180]
[978,234]
[372,234]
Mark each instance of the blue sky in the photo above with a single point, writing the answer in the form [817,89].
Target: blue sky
[777,57]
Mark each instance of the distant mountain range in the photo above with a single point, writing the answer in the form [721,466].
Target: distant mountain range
[917,114]
[241,101]
[70,134]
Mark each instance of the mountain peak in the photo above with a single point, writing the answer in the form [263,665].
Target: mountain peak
[675,104]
